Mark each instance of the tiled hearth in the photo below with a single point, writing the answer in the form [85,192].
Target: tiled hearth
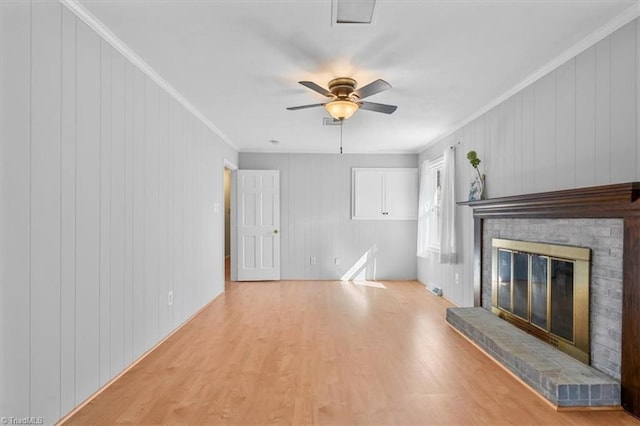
[561,379]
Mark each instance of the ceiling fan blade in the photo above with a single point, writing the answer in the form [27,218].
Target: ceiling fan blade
[372,88]
[372,106]
[316,88]
[304,107]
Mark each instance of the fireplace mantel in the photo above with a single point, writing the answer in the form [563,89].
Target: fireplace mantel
[607,201]
[619,200]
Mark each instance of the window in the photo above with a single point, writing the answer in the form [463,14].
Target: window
[429,206]
[435,172]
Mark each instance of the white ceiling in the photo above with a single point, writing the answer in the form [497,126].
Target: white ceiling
[238,62]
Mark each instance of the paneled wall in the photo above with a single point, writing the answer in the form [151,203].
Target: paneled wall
[575,127]
[108,189]
[315,206]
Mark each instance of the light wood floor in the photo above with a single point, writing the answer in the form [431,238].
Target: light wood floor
[324,353]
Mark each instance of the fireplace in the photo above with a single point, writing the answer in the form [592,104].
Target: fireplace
[544,290]
[601,203]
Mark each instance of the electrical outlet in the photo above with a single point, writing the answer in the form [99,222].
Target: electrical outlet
[457,278]
[314,260]
[336,261]
[170,298]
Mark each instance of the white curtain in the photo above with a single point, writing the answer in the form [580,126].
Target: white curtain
[426,210]
[447,218]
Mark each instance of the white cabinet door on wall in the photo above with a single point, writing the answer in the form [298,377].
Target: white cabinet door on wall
[384,193]
[401,193]
[367,194]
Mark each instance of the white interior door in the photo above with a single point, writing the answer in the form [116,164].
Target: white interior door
[258,225]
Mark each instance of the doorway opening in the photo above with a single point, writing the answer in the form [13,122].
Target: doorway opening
[227,223]
[228,168]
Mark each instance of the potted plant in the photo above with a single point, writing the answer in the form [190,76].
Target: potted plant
[477,185]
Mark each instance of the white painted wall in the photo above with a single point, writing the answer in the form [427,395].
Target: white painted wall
[575,127]
[315,206]
[107,189]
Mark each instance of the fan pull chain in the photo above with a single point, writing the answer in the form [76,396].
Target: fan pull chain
[341,123]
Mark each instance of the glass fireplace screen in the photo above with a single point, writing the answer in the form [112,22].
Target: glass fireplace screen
[544,289]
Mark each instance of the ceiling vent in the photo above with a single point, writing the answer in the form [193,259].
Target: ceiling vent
[352,12]
[330,121]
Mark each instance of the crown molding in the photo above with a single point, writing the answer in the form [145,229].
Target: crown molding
[607,29]
[96,25]
[336,152]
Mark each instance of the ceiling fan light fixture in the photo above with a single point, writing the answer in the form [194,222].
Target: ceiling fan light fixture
[341,109]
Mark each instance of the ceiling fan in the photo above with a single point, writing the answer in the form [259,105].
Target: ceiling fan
[345,99]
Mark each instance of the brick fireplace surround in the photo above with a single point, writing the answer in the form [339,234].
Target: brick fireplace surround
[610,201]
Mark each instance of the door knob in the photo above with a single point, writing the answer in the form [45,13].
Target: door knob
[275,231]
